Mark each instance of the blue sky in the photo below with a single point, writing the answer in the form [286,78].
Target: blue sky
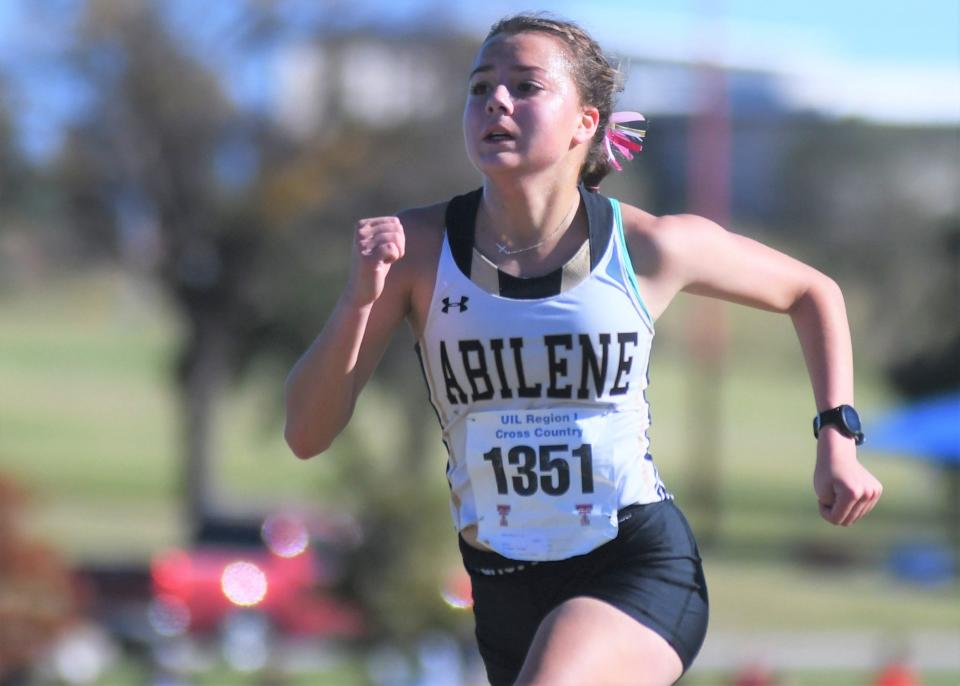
[888,61]
[918,32]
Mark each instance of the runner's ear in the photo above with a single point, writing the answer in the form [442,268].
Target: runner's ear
[587,126]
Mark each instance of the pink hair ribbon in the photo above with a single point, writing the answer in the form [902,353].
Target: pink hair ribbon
[624,139]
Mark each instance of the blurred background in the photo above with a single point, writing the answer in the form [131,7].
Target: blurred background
[178,185]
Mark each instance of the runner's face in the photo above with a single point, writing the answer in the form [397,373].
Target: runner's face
[523,112]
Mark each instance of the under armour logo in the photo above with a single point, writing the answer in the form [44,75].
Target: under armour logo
[462,304]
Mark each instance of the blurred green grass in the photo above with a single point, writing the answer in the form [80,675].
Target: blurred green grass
[88,423]
[352,674]
[349,672]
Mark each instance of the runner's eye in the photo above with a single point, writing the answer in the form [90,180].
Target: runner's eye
[529,87]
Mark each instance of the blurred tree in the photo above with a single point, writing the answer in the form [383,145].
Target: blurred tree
[142,181]
[935,368]
[247,225]
[880,204]
[19,186]
[32,236]
[13,169]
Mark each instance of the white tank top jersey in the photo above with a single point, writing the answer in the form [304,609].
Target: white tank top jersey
[541,398]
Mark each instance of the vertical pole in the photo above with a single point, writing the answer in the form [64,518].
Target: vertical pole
[708,194]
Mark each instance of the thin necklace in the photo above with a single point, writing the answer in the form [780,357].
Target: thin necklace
[504,250]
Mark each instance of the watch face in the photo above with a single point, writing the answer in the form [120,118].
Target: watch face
[850,418]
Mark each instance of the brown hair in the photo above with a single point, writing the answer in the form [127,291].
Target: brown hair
[598,82]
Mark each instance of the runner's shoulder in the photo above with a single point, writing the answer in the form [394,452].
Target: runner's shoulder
[637,221]
[656,238]
[423,236]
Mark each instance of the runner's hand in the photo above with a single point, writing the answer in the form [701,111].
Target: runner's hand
[378,243]
[845,489]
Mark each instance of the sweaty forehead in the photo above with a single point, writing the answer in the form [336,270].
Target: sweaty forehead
[530,49]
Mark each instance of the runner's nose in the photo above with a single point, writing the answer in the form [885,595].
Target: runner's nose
[500,100]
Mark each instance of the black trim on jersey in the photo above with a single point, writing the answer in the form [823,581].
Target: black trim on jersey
[461,219]
[532,288]
[599,223]
[426,380]
[461,222]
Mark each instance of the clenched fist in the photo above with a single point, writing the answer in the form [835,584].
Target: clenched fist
[378,243]
[846,491]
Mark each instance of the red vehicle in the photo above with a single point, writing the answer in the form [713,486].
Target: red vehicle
[273,570]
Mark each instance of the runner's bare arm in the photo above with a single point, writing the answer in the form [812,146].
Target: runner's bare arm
[323,386]
[692,254]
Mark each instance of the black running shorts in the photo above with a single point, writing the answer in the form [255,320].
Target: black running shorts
[651,571]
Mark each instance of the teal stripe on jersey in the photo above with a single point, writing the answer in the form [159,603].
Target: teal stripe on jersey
[622,239]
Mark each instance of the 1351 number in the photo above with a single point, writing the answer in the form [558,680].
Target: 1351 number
[541,468]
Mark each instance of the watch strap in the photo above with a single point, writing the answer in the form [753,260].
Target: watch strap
[834,417]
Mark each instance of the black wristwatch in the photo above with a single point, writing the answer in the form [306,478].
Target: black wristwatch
[845,418]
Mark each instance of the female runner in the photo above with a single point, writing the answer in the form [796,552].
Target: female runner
[533,300]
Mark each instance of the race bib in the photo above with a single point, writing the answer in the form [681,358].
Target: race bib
[543,481]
